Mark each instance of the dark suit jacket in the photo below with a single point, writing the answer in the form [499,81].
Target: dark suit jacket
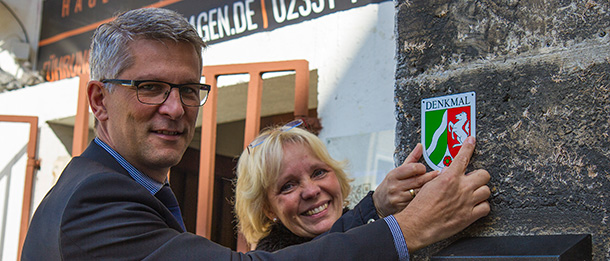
[280,237]
[363,213]
[97,211]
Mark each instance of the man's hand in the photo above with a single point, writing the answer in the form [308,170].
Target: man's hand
[393,195]
[447,204]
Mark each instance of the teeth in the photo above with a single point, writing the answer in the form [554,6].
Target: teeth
[168,132]
[316,210]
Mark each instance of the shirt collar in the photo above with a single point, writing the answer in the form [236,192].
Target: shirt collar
[150,184]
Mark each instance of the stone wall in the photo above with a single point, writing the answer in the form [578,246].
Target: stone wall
[541,71]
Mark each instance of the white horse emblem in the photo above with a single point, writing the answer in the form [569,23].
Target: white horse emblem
[458,128]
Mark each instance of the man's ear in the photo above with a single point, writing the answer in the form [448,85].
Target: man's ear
[97,94]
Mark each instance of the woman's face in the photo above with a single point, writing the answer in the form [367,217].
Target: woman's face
[307,196]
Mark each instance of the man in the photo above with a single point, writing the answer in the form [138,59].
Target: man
[113,201]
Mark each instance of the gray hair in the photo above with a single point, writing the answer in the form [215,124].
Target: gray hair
[110,54]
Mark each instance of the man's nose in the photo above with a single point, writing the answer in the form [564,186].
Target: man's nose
[172,105]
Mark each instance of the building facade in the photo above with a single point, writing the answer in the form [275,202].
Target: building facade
[349,45]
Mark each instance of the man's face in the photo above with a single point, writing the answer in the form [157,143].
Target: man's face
[153,138]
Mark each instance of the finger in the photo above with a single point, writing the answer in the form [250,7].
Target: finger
[414,184]
[478,177]
[412,193]
[410,170]
[461,160]
[415,155]
[480,210]
[419,181]
[407,195]
[481,194]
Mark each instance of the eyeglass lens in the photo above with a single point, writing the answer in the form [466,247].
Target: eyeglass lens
[157,93]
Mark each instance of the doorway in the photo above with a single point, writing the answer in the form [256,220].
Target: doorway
[184,180]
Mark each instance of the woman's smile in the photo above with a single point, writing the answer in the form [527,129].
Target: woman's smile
[306,196]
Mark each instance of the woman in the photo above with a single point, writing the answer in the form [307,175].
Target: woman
[289,190]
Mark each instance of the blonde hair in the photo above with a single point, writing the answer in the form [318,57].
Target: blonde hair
[259,168]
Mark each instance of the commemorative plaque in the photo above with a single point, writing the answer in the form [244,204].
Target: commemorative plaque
[446,122]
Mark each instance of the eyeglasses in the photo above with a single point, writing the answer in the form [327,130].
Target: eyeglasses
[260,139]
[153,92]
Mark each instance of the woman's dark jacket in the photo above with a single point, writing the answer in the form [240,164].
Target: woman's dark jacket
[280,237]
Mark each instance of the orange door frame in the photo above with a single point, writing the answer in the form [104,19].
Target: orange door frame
[253,115]
[81,120]
[32,165]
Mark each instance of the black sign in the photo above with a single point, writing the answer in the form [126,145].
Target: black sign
[67,25]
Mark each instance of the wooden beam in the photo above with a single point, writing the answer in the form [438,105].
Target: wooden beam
[81,121]
[32,165]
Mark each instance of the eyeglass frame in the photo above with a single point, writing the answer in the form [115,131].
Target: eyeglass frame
[136,83]
[286,127]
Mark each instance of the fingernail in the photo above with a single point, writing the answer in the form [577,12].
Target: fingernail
[470,140]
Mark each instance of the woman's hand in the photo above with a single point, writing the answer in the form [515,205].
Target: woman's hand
[401,184]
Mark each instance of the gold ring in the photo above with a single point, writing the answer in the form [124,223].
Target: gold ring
[412,191]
